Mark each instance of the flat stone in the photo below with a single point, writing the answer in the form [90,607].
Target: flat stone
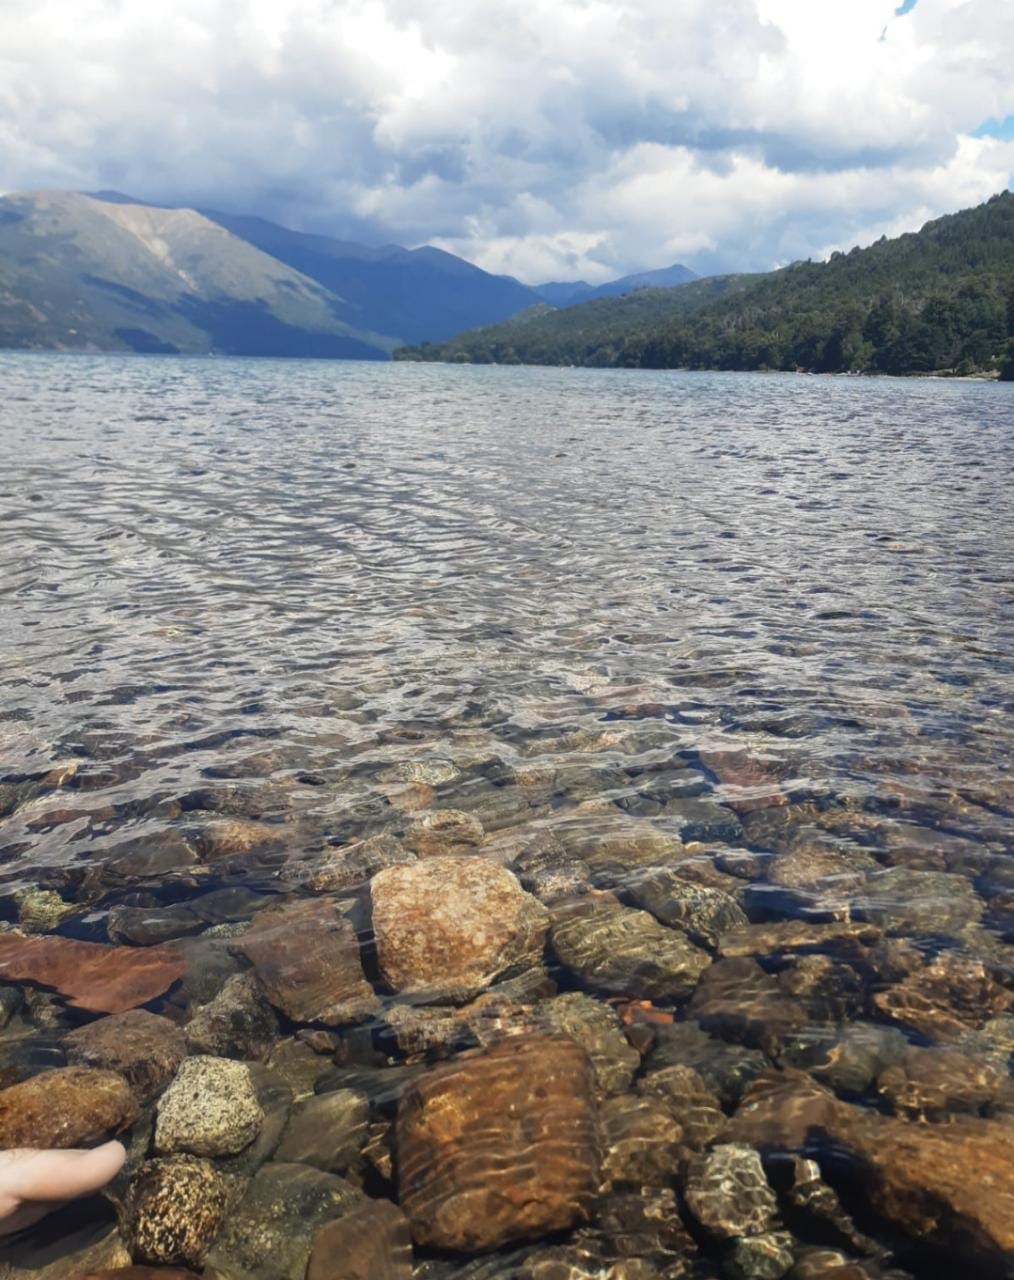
[919,902]
[176,1209]
[738,1001]
[846,939]
[931,1083]
[210,1109]
[145,1049]
[372,1241]
[727,1192]
[271,1231]
[447,927]
[749,782]
[90,975]
[327,1131]
[618,950]
[704,914]
[306,957]
[67,1107]
[946,998]
[500,1145]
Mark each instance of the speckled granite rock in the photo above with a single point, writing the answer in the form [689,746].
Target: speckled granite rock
[176,1209]
[727,1192]
[500,1145]
[144,1048]
[306,957]
[618,950]
[447,927]
[67,1107]
[271,1231]
[210,1109]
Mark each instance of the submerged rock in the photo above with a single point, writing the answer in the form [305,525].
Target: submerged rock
[145,1049]
[89,975]
[270,1233]
[686,1097]
[372,1241]
[237,1023]
[444,833]
[641,1143]
[728,1193]
[738,1001]
[328,1131]
[618,950]
[767,1256]
[67,1107]
[306,958]
[702,913]
[930,1083]
[919,902]
[351,865]
[176,1209]
[500,1145]
[948,997]
[210,1109]
[597,1029]
[447,927]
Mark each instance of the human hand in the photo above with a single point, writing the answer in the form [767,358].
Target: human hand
[34,1183]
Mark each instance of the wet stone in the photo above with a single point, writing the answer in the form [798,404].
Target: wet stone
[210,1109]
[703,914]
[738,1001]
[812,866]
[306,958]
[150,926]
[850,1061]
[42,910]
[270,1233]
[919,902]
[815,1206]
[829,991]
[641,1142]
[597,1029]
[726,1069]
[761,1257]
[144,1048]
[274,1097]
[643,1223]
[844,939]
[499,1146]
[694,1107]
[237,1023]
[446,928]
[328,1131]
[728,1193]
[351,865]
[930,1083]
[617,950]
[176,1209]
[371,1241]
[234,837]
[66,1107]
[445,833]
[11,1001]
[89,975]
[950,995]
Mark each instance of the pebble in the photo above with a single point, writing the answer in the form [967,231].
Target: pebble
[728,1193]
[210,1109]
[176,1209]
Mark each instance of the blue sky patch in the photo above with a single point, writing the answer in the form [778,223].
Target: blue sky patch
[906,6]
[993,128]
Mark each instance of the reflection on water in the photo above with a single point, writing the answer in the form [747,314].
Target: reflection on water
[435,721]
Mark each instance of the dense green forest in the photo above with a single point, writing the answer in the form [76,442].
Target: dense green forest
[937,300]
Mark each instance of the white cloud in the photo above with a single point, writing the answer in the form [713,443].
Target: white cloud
[548,138]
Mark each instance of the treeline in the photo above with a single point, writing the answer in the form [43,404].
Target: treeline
[937,301]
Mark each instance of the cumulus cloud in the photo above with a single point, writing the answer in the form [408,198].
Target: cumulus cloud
[545,138]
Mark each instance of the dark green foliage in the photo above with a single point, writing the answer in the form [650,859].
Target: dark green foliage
[939,300]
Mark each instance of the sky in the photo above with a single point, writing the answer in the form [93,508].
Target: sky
[547,139]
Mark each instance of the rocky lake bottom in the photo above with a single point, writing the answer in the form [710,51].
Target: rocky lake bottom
[507,824]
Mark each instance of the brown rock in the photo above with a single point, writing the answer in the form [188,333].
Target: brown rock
[177,1207]
[371,1242]
[306,957]
[447,927]
[786,1111]
[641,1143]
[500,1145]
[929,1083]
[350,865]
[945,998]
[445,832]
[68,1107]
[751,782]
[235,836]
[91,976]
[847,939]
[738,1001]
[144,1048]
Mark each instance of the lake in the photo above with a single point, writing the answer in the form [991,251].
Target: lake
[490,777]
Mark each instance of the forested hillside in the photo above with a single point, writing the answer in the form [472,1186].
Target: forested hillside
[938,300]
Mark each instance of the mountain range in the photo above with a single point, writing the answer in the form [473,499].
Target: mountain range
[940,300]
[567,293]
[104,271]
